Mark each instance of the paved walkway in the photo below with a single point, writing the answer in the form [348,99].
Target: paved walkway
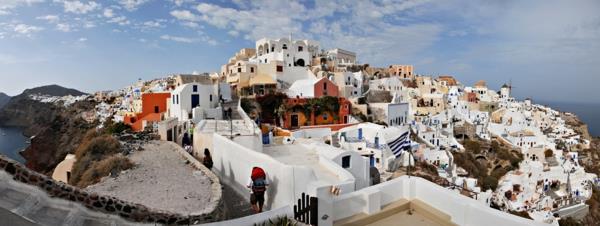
[161,180]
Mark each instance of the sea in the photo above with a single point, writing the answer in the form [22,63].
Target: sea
[12,142]
[589,113]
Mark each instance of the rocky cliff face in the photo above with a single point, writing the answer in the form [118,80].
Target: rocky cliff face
[579,126]
[3,99]
[58,130]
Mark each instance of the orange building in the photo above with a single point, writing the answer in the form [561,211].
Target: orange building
[153,106]
[403,71]
[472,97]
[450,81]
[300,113]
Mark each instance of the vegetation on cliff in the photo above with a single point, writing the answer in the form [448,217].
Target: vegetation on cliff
[487,161]
[97,156]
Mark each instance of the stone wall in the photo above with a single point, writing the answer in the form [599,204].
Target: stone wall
[107,204]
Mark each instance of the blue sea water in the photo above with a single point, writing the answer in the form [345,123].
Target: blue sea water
[588,113]
[12,142]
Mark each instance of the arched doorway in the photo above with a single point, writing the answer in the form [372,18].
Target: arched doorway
[300,62]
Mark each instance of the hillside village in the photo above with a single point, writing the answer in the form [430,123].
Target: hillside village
[355,136]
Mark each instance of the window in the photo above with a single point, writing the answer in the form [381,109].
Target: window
[156,109]
[251,69]
[265,61]
[210,98]
[272,48]
[279,68]
[173,98]
[239,69]
[195,88]
[284,47]
[346,162]
[325,86]
[177,96]
[300,48]
[324,116]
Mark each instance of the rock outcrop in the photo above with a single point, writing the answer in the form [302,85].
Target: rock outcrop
[3,99]
[576,124]
[57,129]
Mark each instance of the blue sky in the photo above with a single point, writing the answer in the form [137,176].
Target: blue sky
[548,49]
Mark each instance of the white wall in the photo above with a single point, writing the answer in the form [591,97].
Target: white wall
[234,162]
[312,133]
[292,74]
[257,219]
[397,114]
[359,168]
[463,210]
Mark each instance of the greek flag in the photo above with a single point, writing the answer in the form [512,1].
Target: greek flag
[400,144]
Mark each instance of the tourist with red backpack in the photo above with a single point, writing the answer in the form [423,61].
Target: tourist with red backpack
[258,184]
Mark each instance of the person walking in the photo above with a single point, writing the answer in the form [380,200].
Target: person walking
[191,133]
[207,160]
[185,142]
[258,185]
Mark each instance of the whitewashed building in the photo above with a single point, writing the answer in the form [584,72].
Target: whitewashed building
[293,53]
[198,100]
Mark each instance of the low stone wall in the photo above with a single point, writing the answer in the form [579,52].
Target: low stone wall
[107,204]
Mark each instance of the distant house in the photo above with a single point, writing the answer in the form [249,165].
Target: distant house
[260,84]
[198,100]
[293,53]
[341,59]
[153,106]
[448,80]
[300,113]
[348,83]
[308,88]
[402,71]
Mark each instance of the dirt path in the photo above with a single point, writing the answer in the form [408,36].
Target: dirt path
[160,180]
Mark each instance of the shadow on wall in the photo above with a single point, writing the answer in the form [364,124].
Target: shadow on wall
[271,191]
[242,189]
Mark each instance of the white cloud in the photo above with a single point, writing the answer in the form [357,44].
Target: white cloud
[233,33]
[27,30]
[375,30]
[79,7]
[121,20]
[200,39]
[184,15]
[82,39]
[178,39]
[108,12]
[153,24]
[49,18]
[132,5]
[89,24]
[6,6]
[63,27]
[190,24]
[181,2]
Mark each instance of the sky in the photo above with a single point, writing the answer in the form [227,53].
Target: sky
[548,49]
